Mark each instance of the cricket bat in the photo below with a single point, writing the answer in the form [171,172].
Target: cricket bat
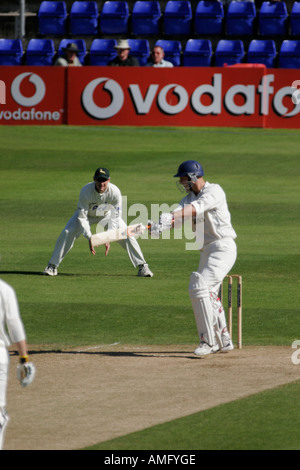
[113,235]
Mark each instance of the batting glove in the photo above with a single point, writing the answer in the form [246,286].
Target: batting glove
[154,229]
[166,221]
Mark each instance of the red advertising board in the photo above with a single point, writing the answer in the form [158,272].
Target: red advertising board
[33,95]
[283,105]
[229,96]
[164,97]
[238,96]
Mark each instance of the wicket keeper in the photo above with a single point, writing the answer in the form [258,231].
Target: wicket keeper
[99,202]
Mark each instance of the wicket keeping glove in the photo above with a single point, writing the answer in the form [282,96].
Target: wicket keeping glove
[25,372]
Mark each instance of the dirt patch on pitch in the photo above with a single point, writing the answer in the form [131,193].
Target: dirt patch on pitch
[82,397]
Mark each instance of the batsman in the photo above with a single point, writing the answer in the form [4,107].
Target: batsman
[206,206]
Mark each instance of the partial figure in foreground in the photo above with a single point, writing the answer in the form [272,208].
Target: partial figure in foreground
[11,332]
[206,205]
[100,202]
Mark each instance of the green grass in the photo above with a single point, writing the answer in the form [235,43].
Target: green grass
[98,300]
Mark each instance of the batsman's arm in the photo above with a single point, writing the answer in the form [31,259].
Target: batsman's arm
[175,219]
[186,212]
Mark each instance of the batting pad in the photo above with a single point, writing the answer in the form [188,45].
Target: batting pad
[202,308]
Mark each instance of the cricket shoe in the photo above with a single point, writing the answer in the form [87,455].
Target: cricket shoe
[227,343]
[144,271]
[50,270]
[204,349]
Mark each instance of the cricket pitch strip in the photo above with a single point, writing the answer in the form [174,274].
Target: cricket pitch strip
[113,390]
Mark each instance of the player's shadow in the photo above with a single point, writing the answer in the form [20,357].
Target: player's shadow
[32,273]
[41,273]
[145,354]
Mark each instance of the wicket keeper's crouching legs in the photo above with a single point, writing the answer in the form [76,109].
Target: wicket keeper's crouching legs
[74,230]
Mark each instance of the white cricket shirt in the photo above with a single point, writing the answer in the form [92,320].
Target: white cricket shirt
[11,326]
[93,205]
[211,204]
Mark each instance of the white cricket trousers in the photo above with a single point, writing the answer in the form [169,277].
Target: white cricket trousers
[216,260]
[74,229]
[4,364]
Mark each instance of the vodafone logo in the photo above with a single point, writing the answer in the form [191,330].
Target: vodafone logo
[112,88]
[28,90]
[37,97]
[220,100]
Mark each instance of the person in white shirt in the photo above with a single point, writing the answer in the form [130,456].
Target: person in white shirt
[100,202]
[157,58]
[206,205]
[11,332]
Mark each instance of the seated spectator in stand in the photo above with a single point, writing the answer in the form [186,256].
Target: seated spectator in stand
[70,58]
[157,58]
[123,58]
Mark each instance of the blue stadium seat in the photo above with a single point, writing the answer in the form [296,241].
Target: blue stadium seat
[84,18]
[229,51]
[240,18]
[172,49]
[177,18]
[209,17]
[102,51]
[52,18]
[145,18]
[197,53]
[295,19]
[40,52]
[262,51]
[114,17]
[289,54]
[82,52]
[273,19]
[140,49]
[11,52]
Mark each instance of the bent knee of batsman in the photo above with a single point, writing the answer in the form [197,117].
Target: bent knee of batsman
[198,287]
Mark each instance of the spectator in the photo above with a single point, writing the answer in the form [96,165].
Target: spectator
[123,58]
[157,58]
[70,58]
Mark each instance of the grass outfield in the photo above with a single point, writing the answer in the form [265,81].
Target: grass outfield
[98,300]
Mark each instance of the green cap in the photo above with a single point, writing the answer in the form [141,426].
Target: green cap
[102,173]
